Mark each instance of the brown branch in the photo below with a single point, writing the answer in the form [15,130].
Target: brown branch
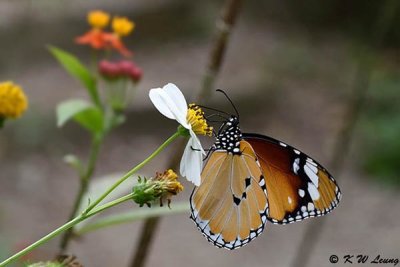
[224,27]
[354,109]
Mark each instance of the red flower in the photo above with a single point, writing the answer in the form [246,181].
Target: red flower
[123,68]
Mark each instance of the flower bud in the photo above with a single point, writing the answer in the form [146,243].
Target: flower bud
[162,187]
[136,74]
[109,69]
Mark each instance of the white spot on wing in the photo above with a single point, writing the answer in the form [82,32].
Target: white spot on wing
[311,161]
[283,144]
[313,191]
[311,173]
[195,213]
[301,193]
[312,167]
[289,200]
[296,151]
[296,166]
[202,224]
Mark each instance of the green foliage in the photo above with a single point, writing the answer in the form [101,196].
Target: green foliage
[144,192]
[381,128]
[88,116]
[91,119]
[77,70]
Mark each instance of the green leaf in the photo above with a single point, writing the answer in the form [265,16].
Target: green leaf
[91,119]
[81,111]
[77,70]
[68,109]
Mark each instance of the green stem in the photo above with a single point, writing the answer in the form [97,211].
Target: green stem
[93,208]
[84,184]
[66,226]
[132,216]
[109,205]
[132,171]
[42,240]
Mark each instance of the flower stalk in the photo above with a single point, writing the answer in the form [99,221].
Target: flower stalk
[94,208]
[84,184]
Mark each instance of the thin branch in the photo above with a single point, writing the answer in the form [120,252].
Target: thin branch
[354,108]
[224,27]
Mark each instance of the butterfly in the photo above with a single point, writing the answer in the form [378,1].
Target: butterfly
[250,179]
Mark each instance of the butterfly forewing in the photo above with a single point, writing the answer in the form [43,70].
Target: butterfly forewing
[230,206]
[298,187]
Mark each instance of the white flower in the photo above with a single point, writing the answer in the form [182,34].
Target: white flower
[170,101]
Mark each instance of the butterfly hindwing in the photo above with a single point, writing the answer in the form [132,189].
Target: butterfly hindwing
[230,206]
[298,187]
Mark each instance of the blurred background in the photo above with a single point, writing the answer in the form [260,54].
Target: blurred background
[292,68]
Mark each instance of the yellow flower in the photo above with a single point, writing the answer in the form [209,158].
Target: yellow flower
[98,19]
[122,26]
[169,182]
[195,117]
[13,101]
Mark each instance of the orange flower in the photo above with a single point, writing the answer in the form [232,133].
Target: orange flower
[95,38]
[114,41]
[99,39]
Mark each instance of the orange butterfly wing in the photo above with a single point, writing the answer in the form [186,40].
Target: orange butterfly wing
[298,187]
[230,205]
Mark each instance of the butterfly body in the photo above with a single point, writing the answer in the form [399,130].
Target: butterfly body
[251,178]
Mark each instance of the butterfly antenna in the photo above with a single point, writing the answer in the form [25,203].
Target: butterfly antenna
[213,109]
[227,97]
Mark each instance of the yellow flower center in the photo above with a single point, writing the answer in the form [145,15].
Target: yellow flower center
[169,182]
[98,19]
[13,101]
[122,26]
[195,117]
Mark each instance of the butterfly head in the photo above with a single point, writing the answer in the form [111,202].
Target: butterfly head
[229,136]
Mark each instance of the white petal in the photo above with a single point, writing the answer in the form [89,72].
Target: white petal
[191,163]
[177,97]
[159,102]
[167,106]
[196,142]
